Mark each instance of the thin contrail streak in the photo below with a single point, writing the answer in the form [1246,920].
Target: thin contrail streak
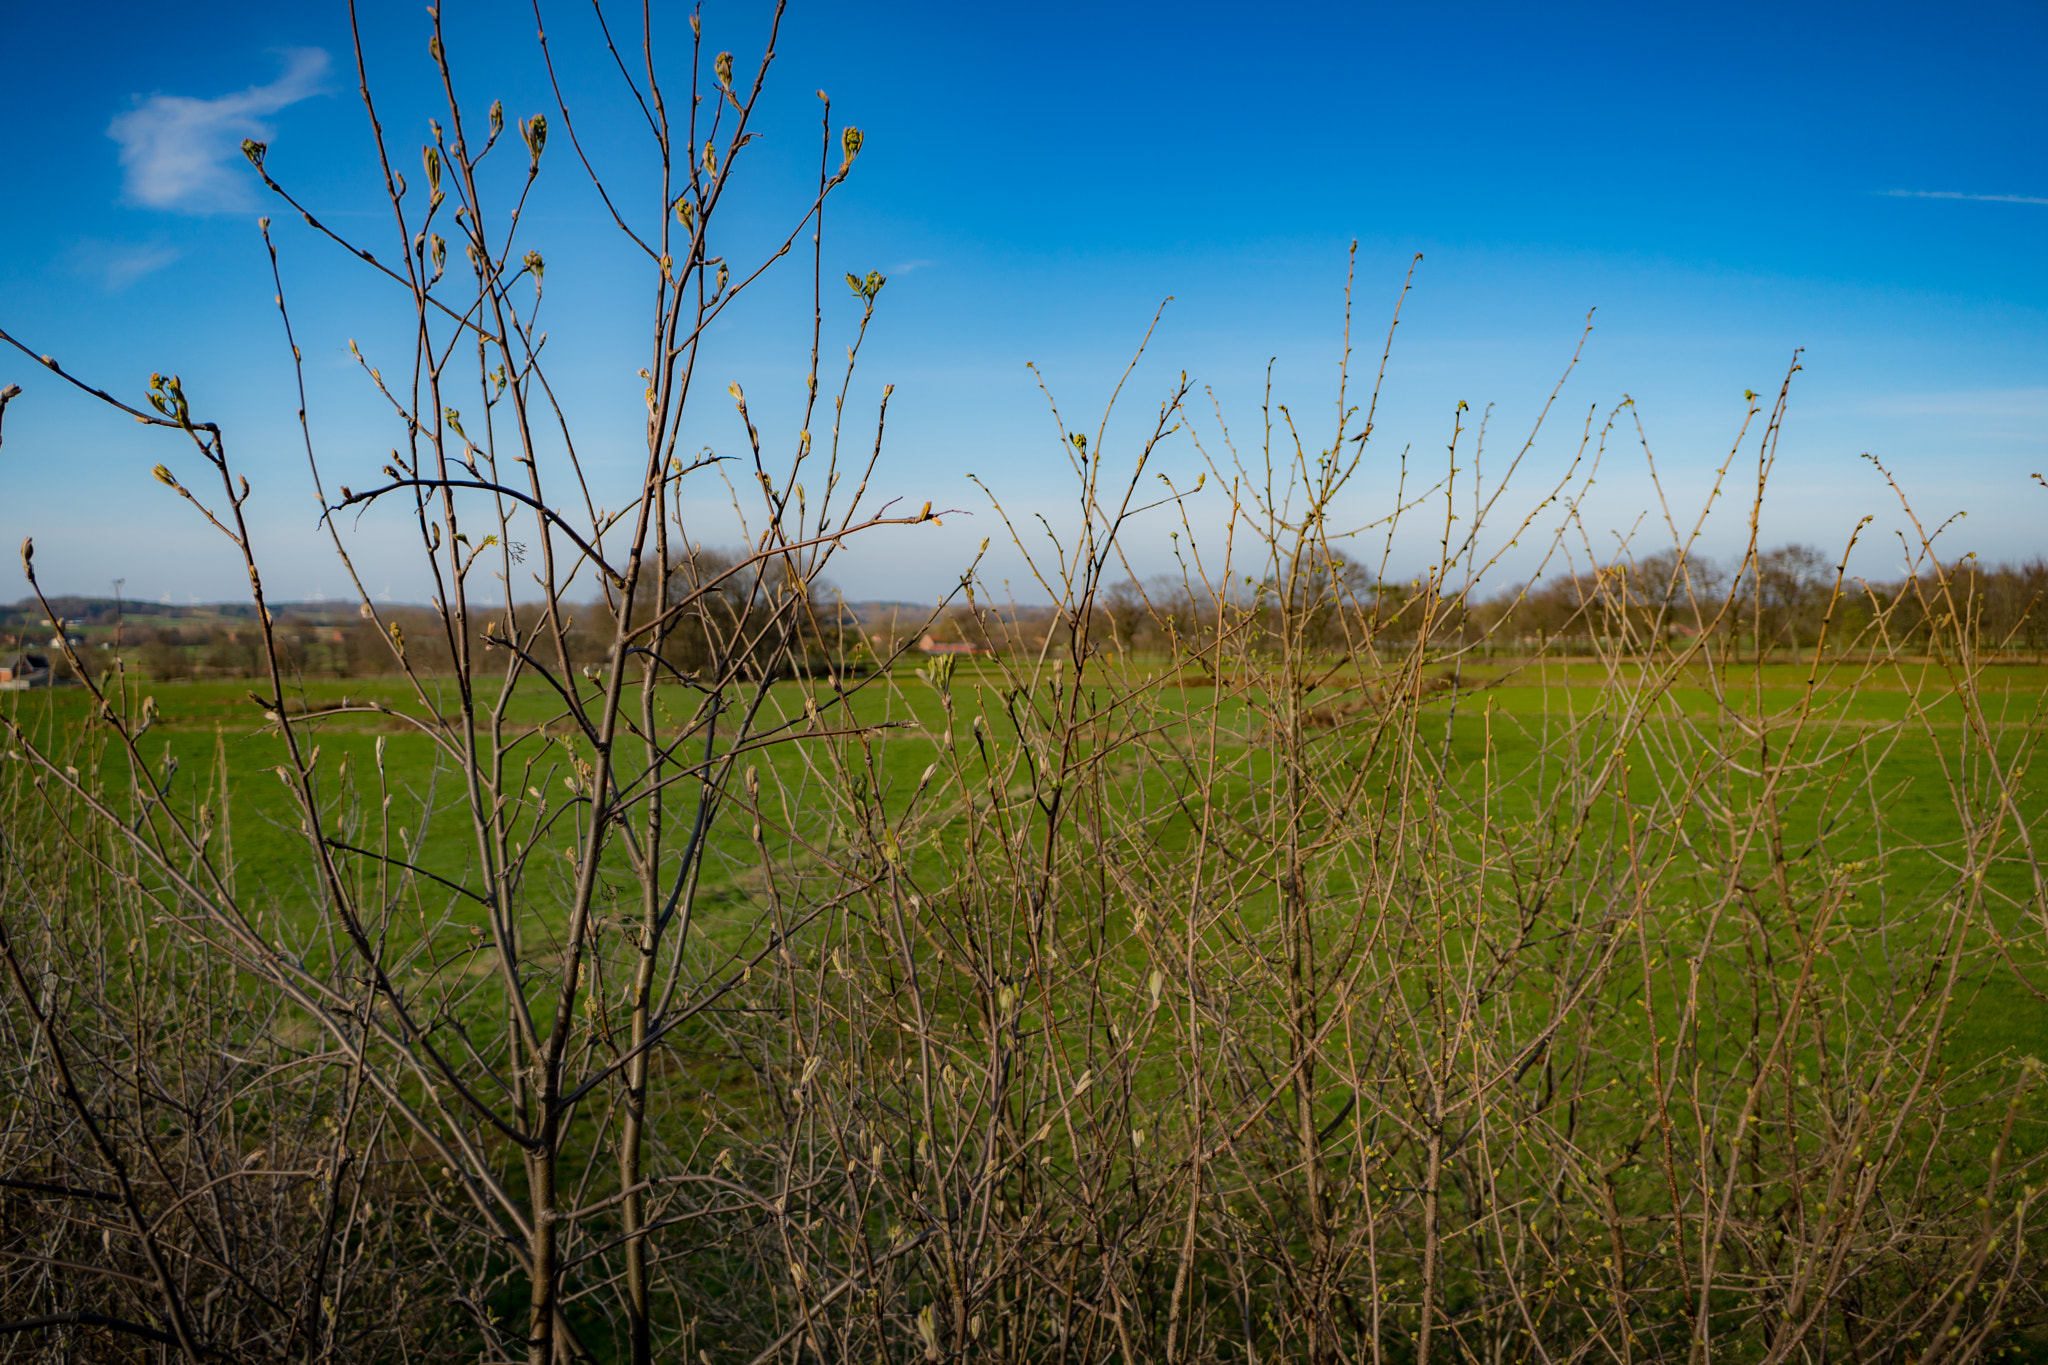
[1958,194]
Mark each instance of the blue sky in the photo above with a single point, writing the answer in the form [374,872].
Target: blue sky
[1725,183]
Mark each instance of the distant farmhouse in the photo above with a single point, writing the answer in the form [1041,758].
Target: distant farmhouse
[20,672]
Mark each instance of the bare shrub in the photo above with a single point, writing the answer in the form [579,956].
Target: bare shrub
[1275,991]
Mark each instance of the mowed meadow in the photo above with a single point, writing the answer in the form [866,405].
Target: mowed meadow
[1898,733]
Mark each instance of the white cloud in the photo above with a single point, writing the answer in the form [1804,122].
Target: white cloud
[116,265]
[1958,194]
[909,266]
[185,154]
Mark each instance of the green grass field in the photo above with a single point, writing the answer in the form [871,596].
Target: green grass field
[1498,725]
[1886,770]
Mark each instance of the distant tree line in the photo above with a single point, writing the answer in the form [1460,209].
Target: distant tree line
[1779,602]
[1775,605]
[715,596]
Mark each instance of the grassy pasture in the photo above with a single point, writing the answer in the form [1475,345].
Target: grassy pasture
[1496,729]
[1879,761]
